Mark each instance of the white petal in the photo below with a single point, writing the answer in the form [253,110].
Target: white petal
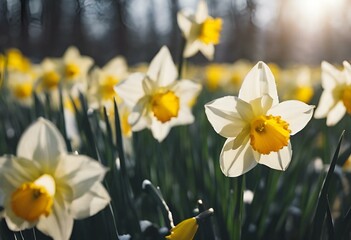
[162,68]
[71,52]
[326,102]
[90,203]
[296,113]
[347,72]
[186,90]
[159,130]
[80,173]
[258,82]
[336,114]
[207,50]
[277,160]
[184,117]
[42,142]
[184,23]
[331,76]
[235,162]
[139,118]
[224,118]
[16,171]
[201,12]
[131,90]
[58,224]
[260,106]
[191,48]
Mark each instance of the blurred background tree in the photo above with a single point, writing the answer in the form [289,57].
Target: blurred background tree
[290,31]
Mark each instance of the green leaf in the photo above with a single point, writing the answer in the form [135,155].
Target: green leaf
[317,224]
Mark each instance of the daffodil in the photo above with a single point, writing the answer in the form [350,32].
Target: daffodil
[200,30]
[74,67]
[185,230]
[335,100]
[158,101]
[256,125]
[103,80]
[47,188]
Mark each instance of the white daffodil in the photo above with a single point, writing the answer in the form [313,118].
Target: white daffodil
[45,187]
[74,67]
[256,125]
[200,30]
[335,100]
[101,90]
[158,100]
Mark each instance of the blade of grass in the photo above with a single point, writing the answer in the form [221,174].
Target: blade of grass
[317,224]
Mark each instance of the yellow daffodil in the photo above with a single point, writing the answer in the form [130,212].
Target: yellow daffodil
[186,229]
[158,101]
[200,30]
[21,86]
[335,100]
[256,125]
[47,188]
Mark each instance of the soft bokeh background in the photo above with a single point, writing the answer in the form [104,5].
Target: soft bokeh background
[290,31]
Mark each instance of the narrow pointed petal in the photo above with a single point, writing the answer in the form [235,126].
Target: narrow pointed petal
[326,102]
[96,199]
[160,130]
[184,23]
[258,82]
[207,50]
[222,115]
[42,142]
[58,224]
[189,90]
[184,117]
[162,69]
[331,76]
[277,160]
[236,162]
[201,11]
[191,48]
[336,114]
[131,90]
[80,172]
[296,113]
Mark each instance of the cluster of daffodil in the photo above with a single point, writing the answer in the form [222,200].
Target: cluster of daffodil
[47,187]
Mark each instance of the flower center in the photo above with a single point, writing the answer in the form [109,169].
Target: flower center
[107,87]
[269,134]
[23,90]
[71,70]
[165,105]
[33,199]
[51,79]
[346,98]
[210,30]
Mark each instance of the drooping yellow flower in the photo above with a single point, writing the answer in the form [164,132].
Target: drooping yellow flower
[47,188]
[185,230]
[200,30]
[256,125]
[158,100]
